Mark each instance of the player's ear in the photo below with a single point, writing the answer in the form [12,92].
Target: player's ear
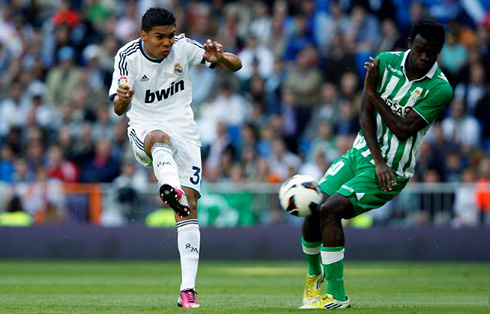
[143,35]
[410,41]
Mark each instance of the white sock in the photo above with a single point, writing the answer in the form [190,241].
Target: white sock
[164,165]
[188,240]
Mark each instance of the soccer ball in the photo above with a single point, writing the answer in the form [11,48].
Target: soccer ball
[300,195]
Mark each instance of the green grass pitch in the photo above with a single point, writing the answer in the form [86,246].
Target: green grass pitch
[237,287]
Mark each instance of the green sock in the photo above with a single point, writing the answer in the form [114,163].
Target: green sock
[311,252]
[333,264]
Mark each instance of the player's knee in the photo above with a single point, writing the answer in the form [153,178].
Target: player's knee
[327,212]
[155,137]
[335,208]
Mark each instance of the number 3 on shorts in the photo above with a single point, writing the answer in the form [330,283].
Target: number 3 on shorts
[335,168]
[196,177]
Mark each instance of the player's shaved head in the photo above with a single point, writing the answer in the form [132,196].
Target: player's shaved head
[430,30]
[156,17]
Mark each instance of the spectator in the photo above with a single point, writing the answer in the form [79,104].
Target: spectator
[22,174]
[15,216]
[299,39]
[474,90]
[229,106]
[255,51]
[261,24]
[282,161]
[219,145]
[363,31]
[336,24]
[203,79]
[263,172]
[45,199]
[104,128]
[6,164]
[482,114]
[128,188]
[13,111]
[39,112]
[324,142]
[273,86]
[483,191]
[102,167]
[248,158]
[279,37]
[347,123]
[453,57]
[304,80]
[128,26]
[93,73]
[328,109]
[349,89]
[465,202]
[460,127]
[390,37]
[60,168]
[62,80]
[83,147]
[338,59]
[454,166]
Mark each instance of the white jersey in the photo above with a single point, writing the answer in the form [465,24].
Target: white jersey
[162,88]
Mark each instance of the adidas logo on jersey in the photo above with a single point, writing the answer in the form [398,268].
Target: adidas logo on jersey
[144,78]
[164,93]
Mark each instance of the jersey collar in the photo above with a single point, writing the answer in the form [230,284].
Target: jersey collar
[429,74]
[147,56]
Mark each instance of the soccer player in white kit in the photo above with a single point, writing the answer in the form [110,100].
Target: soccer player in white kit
[151,85]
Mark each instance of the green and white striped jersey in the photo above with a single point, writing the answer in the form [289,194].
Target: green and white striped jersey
[427,96]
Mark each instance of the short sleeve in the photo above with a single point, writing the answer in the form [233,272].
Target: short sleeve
[196,52]
[434,103]
[121,68]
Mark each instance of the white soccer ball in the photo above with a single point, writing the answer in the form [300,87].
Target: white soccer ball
[300,195]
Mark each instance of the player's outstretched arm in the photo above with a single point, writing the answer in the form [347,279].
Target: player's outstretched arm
[367,120]
[123,99]
[227,61]
[403,128]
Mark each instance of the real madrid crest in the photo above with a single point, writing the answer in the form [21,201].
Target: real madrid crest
[178,68]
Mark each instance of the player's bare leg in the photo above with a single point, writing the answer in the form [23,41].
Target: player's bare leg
[336,208]
[189,238]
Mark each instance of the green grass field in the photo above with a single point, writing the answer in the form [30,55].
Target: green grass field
[237,287]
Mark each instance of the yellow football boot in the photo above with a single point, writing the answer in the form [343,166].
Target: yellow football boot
[313,289]
[327,302]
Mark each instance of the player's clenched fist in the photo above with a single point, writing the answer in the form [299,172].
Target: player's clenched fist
[124,92]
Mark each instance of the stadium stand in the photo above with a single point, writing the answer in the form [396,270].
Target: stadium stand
[293,108]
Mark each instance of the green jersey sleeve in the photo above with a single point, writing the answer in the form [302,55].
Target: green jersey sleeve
[436,100]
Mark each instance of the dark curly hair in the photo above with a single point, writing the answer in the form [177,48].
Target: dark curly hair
[429,29]
[156,17]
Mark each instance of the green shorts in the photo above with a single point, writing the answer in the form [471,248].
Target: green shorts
[354,176]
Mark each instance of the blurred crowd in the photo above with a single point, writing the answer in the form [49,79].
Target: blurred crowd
[292,108]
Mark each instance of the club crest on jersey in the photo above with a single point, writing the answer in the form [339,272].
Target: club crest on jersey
[414,96]
[178,68]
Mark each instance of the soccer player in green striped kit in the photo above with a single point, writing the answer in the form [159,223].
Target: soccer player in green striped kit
[404,92]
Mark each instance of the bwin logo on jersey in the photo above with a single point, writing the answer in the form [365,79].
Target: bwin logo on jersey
[178,68]
[164,93]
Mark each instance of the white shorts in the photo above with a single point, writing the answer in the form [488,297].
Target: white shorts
[186,154]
